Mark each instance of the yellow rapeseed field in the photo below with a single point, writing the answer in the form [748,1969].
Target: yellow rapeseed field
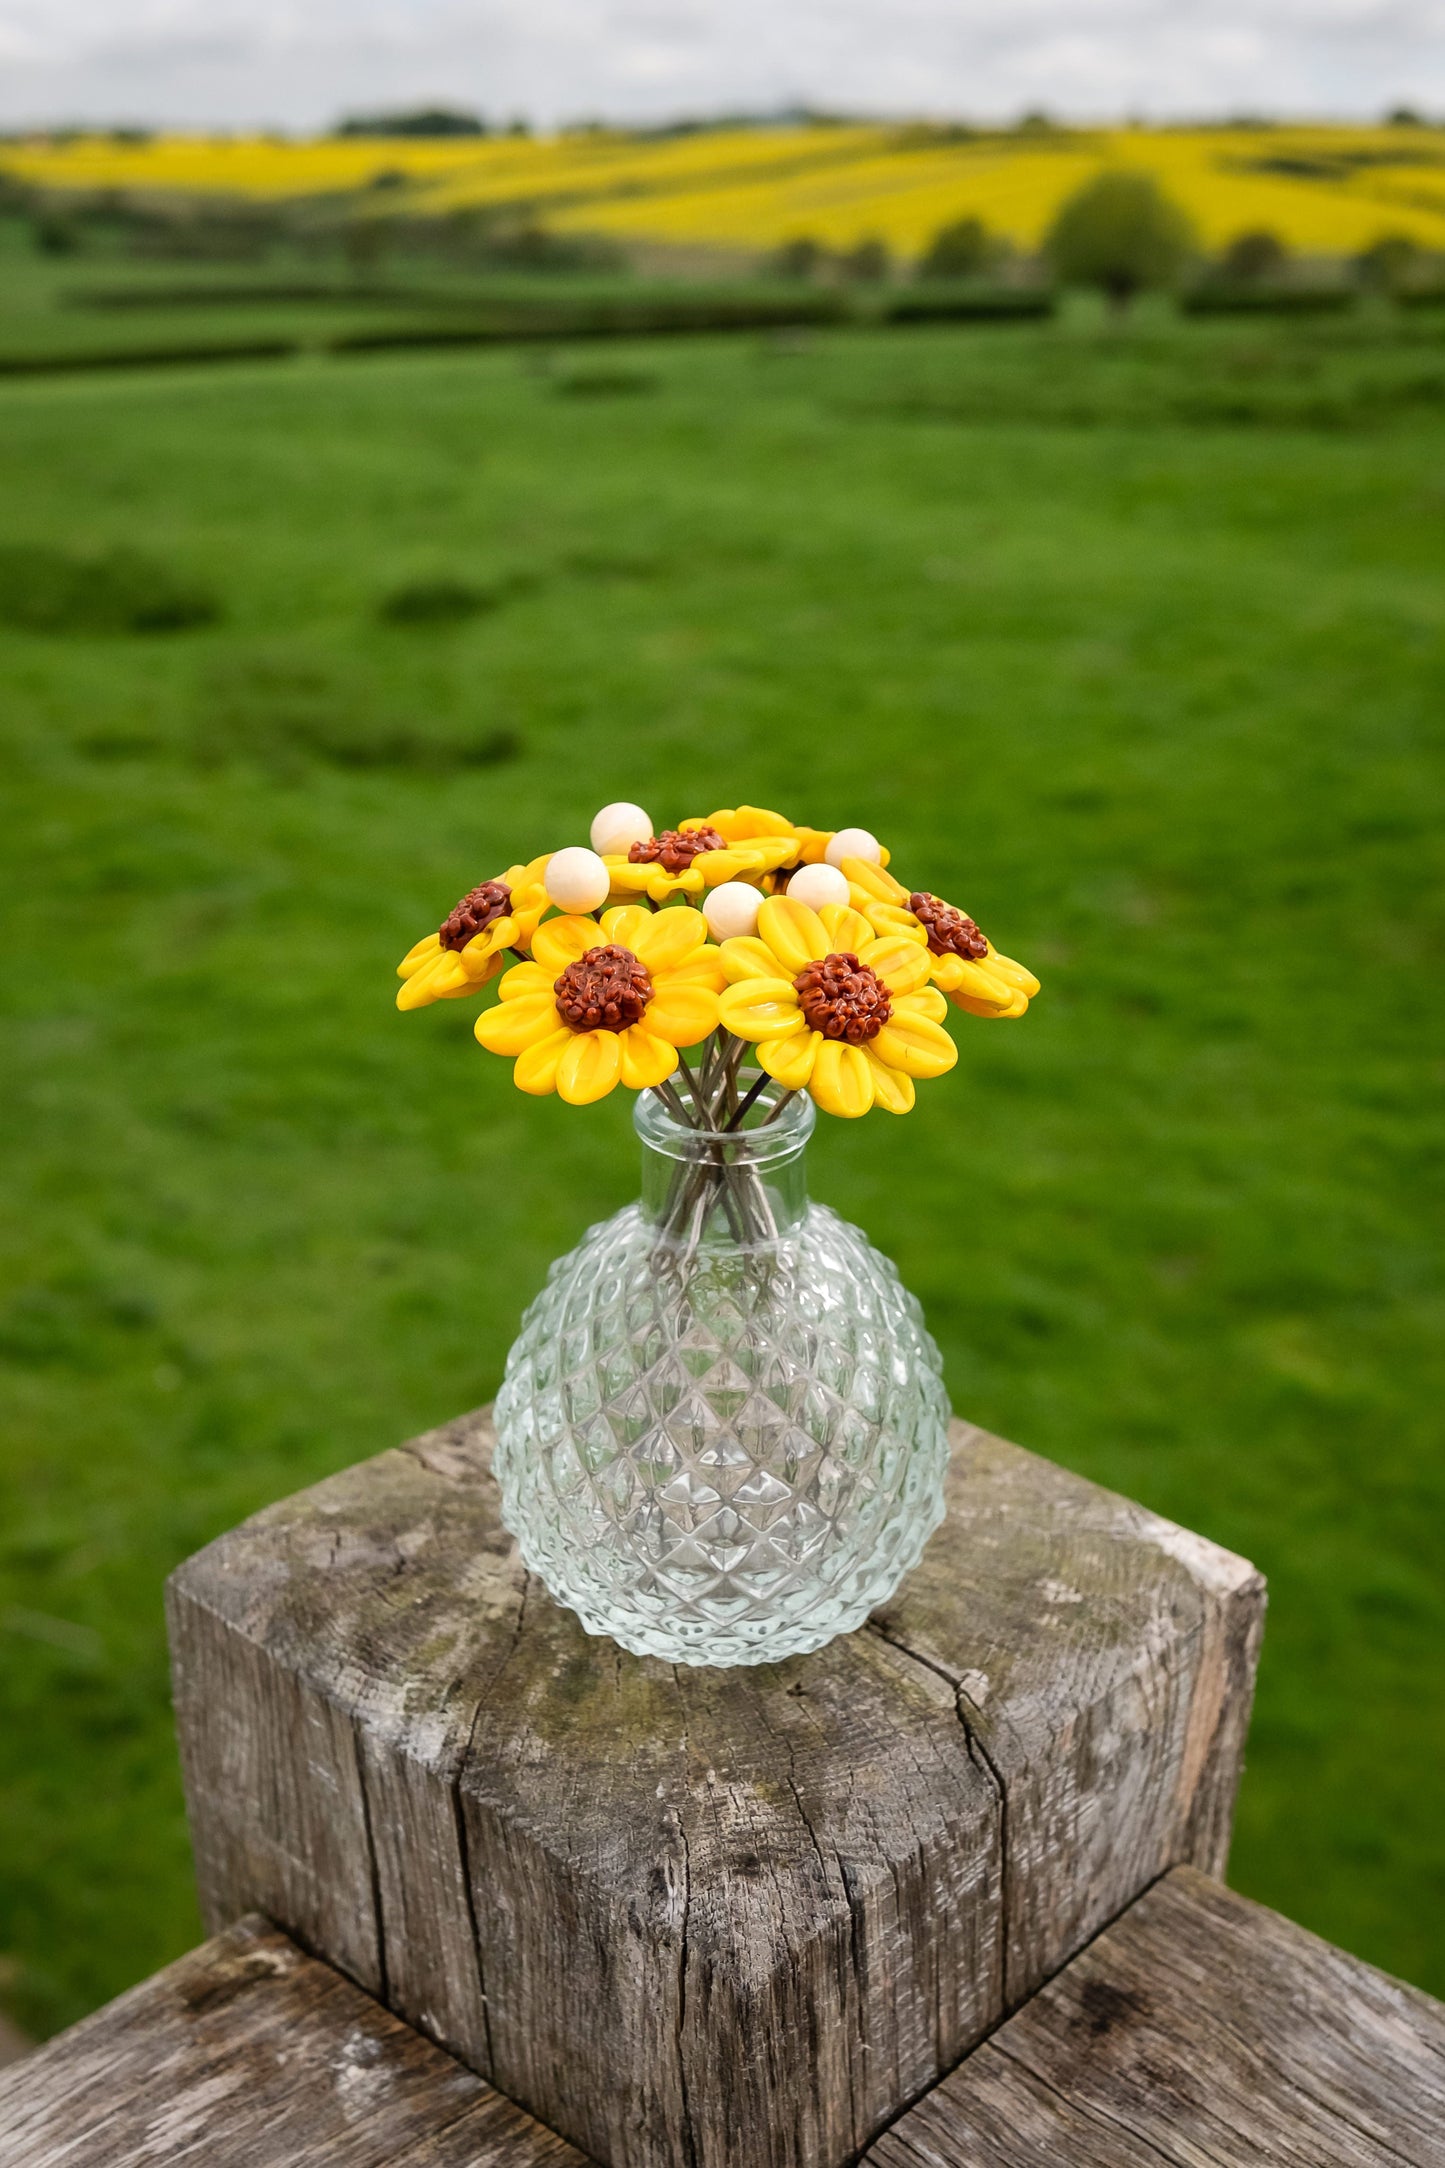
[1320,188]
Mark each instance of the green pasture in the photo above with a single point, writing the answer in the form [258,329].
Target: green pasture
[1130,641]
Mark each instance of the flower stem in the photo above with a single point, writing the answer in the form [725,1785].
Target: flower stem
[749,1097]
[674,1104]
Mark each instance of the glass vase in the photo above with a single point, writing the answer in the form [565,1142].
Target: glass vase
[722,1433]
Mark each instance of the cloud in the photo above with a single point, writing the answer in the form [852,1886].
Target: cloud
[297,63]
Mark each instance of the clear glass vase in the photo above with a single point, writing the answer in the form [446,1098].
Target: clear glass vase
[722,1434]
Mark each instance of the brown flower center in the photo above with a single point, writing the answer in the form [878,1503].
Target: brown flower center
[675,849]
[478,910]
[605,990]
[843,999]
[950,932]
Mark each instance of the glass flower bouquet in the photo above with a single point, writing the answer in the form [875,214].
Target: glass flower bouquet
[722,1433]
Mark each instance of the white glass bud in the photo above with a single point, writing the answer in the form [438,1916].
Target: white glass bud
[817,885]
[577,880]
[732,908]
[854,843]
[617,827]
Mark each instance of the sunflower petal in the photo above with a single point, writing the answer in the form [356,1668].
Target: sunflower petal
[734,863]
[536,1066]
[589,1068]
[790,1059]
[793,932]
[744,956]
[892,1088]
[1018,975]
[888,919]
[925,1001]
[561,941]
[769,852]
[626,923]
[740,823]
[662,886]
[445,974]
[902,965]
[842,1080]
[667,938]
[513,1026]
[760,1009]
[987,1009]
[978,980]
[480,972]
[524,981]
[916,1045]
[491,941]
[418,954]
[880,886]
[703,969]
[681,1011]
[847,930]
[646,1058]
[627,879]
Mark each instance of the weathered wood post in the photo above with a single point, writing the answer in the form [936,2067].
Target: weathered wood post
[720,1919]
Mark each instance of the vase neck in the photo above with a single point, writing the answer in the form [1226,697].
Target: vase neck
[738,1188]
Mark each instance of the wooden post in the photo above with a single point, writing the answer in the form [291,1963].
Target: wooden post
[704,1919]
[248,2054]
[1198,2029]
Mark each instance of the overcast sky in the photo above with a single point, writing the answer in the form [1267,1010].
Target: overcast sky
[298,63]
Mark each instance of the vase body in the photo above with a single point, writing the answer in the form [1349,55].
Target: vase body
[722,1433]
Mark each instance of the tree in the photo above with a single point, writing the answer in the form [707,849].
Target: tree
[1253,257]
[54,234]
[426,120]
[959,251]
[800,258]
[1391,263]
[867,264]
[1120,233]
[364,240]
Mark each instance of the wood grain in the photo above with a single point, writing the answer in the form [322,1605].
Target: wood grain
[1199,2031]
[249,2054]
[703,1919]
[1104,1661]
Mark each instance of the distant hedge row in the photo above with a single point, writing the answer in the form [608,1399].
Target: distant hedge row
[148,357]
[659,313]
[971,304]
[1247,300]
[586,316]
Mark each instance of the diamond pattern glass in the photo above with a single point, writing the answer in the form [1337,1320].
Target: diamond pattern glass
[726,1456]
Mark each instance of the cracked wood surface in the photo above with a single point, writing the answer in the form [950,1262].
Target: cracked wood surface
[1199,2031]
[693,1918]
[1104,1662]
[249,2054]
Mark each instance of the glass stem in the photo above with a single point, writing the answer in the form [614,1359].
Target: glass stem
[714,1106]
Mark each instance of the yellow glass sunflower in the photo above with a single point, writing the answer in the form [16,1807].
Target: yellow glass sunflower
[834,1008]
[608,1004]
[470,945]
[742,843]
[963,962]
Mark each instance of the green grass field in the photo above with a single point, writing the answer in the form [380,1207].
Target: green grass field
[1134,644]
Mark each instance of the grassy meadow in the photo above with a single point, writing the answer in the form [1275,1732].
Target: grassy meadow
[1131,640]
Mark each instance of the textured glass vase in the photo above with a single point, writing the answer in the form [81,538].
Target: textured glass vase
[722,1434]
